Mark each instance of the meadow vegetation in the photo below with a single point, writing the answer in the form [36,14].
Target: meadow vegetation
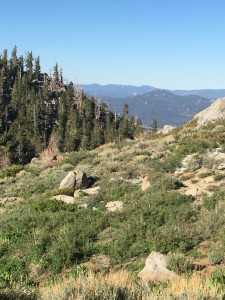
[46,245]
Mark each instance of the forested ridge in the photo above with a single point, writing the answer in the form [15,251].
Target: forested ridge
[36,108]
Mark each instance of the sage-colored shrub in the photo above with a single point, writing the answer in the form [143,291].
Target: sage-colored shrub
[216,257]
[179,263]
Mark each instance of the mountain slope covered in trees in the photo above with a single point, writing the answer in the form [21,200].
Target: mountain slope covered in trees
[36,109]
[161,105]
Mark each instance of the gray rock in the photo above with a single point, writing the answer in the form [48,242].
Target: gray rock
[92,191]
[166,129]
[68,181]
[155,268]
[221,166]
[64,198]
[35,160]
[145,183]
[114,206]
[81,180]
[75,179]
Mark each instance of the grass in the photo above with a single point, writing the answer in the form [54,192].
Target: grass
[119,285]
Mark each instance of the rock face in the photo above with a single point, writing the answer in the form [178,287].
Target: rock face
[155,268]
[75,179]
[214,112]
[114,206]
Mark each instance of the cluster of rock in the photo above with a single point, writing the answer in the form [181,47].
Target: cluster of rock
[78,181]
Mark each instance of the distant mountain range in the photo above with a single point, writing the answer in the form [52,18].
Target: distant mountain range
[168,107]
[115,90]
[162,105]
[121,91]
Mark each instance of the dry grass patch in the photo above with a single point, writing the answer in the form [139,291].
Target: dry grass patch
[119,285]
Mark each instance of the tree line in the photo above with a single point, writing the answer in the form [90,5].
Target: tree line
[36,107]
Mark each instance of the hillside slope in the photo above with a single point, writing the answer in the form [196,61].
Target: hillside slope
[161,192]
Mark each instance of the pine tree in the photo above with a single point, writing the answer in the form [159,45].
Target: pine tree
[56,73]
[154,126]
[29,64]
[37,68]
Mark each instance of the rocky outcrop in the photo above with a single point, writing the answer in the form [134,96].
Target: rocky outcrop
[155,268]
[166,129]
[114,206]
[214,112]
[75,179]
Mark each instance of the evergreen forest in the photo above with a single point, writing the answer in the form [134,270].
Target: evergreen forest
[38,109]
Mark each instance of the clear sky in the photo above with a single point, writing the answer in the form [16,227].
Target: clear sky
[175,44]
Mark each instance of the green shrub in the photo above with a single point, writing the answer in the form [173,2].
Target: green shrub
[179,263]
[216,257]
[11,171]
[205,174]
[35,170]
[209,202]
[67,167]
[217,278]
[74,158]
[208,162]
[65,191]
[218,177]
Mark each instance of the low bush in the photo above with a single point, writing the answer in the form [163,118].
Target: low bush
[11,171]
[205,174]
[179,263]
[216,257]
[218,177]
[65,191]
[217,278]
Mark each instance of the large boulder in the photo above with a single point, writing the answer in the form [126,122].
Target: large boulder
[155,268]
[75,179]
[68,181]
[166,129]
[214,112]
[81,181]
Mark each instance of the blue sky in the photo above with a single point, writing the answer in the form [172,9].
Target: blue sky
[175,44]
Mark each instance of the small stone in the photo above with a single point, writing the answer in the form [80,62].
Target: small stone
[114,206]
